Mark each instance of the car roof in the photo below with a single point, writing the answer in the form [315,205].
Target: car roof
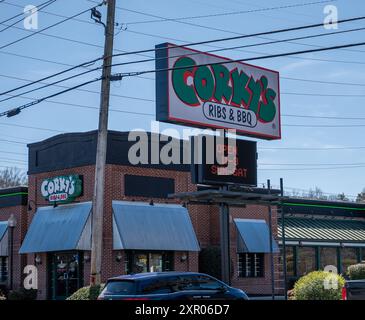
[151,275]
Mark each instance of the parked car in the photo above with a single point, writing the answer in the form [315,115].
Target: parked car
[354,290]
[169,286]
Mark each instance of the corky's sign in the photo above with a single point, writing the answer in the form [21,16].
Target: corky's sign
[62,188]
[207,91]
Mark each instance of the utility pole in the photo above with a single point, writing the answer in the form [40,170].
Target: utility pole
[98,198]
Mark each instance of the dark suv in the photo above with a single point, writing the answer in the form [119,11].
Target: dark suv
[169,286]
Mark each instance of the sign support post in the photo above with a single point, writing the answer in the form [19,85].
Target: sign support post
[225,241]
[271,248]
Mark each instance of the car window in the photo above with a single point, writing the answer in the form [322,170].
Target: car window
[120,287]
[207,283]
[158,286]
[197,282]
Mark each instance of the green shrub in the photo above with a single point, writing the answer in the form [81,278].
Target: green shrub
[312,286]
[87,293]
[357,271]
[22,294]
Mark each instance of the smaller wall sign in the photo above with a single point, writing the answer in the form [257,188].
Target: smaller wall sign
[245,161]
[62,188]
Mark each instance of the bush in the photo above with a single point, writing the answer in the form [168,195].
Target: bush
[312,286]
[356,271]
[87,293]
[22,294]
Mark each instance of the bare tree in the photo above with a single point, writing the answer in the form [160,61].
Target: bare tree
[12,177]
[317,193]
[361,196]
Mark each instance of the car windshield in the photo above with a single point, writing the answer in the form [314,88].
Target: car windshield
[120,287]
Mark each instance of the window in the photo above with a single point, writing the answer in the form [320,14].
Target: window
[3,269]
[349,256]
[328,257]
[198,283]
[306,260]
[139,261]
[251,265]
[120,287]
[290,261]
[159,286]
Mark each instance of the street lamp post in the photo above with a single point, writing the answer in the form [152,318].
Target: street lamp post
[11,225]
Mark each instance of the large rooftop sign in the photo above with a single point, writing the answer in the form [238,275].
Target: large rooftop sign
[203,90]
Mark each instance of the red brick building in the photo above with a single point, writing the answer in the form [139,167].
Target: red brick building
[58,237]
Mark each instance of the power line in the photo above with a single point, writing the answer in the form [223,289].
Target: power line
[309,169]
[81,90]
[324,125]
[49,27]
[121,75]
[10,152]
[312,164]
[229,13]
[322,117]
[29,127]
[208,27]
[313,149]
[36,9]
[113,109]
[27,11]
[192,54]
[178,46]
[13,160]
[350,45]
[25,106]
[12,141]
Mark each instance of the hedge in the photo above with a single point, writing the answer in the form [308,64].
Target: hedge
[87,293]
[317,285]
[356,271]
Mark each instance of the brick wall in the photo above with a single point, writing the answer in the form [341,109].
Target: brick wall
[19,262]
[205,220]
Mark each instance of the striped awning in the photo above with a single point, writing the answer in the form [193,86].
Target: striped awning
[326,230]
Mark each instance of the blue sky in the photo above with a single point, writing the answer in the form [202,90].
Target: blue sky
[85,42]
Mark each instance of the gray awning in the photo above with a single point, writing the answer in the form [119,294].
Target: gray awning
[141,226]
[4,239]
[254,236]
[66,227]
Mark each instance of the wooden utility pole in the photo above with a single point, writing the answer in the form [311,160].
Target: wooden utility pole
[98,198]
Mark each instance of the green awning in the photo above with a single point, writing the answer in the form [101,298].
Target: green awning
[326,230]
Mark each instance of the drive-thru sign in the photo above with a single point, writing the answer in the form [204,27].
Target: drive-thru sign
[203,90]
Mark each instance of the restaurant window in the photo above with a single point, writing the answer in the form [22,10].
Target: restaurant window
[3,269]
[251,265]
[306,260]
[328,257]
[290,261]
[138,261]
[349,256]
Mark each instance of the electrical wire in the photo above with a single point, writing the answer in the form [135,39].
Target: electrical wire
[350,45]
[48,27]
[178,46]
[237,12]
[121,75]
[192,54]
[36,9]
